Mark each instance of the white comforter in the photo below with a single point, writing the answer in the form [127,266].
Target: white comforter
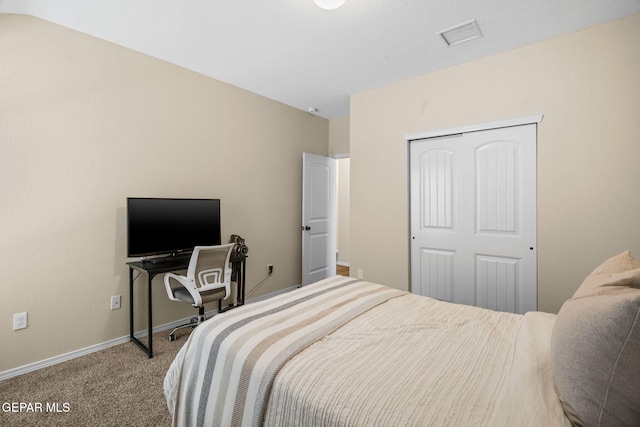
[404,360]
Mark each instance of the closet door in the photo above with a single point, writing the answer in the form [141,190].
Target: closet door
[473,218]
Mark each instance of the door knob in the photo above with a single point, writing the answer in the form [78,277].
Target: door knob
[306,228]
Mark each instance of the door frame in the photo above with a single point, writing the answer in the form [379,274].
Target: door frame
[526,120]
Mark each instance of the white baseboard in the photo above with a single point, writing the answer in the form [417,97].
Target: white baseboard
[104,345]
[273,294]
[61,358]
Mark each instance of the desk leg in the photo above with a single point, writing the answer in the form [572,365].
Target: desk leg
[242,279]
[131,304]
[150,320]
[148,349]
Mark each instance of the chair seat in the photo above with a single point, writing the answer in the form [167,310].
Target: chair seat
[213,295]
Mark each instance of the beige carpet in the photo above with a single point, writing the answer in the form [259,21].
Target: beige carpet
[118,386]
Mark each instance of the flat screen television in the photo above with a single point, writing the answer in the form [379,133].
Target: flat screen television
[163,226]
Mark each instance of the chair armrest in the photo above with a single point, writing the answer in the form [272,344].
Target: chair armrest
[186,283]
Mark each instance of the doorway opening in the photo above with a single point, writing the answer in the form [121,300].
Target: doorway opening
[343,172]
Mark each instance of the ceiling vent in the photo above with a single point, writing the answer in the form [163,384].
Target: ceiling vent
[461,33]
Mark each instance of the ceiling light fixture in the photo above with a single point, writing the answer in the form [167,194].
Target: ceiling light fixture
[329,4]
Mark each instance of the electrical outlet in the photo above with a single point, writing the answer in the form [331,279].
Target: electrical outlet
[270,268]
[19,321]
[115,302]
[360,274]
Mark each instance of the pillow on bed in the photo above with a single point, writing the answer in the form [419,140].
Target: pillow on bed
[595,347]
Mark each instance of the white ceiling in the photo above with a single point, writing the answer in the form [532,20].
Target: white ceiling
[296,53]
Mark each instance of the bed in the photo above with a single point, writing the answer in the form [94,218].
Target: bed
[345,352]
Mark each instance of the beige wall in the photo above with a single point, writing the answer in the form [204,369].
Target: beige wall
[587,85]
[84,124]
[339,136]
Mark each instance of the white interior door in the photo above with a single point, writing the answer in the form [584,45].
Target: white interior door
[473,218]
[318,218]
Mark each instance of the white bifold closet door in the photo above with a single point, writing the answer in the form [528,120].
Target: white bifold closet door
[473,218]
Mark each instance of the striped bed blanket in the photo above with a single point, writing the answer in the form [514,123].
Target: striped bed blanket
[344,352]
[223,374]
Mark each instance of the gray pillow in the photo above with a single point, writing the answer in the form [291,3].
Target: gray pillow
[595,347]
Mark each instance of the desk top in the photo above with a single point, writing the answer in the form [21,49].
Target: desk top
[173,264]
[160,267]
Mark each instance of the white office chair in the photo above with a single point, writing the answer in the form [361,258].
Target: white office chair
[208,279]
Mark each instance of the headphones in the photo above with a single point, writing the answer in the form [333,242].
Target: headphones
[240,248]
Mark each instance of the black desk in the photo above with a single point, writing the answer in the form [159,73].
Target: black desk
[153,269]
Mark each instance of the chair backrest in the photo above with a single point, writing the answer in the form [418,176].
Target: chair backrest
[209,266]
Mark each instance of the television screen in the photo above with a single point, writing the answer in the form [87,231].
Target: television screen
[158,226]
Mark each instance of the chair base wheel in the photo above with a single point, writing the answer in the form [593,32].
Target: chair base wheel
[193,322]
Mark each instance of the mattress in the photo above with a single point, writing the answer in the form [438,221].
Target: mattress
[345,352]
